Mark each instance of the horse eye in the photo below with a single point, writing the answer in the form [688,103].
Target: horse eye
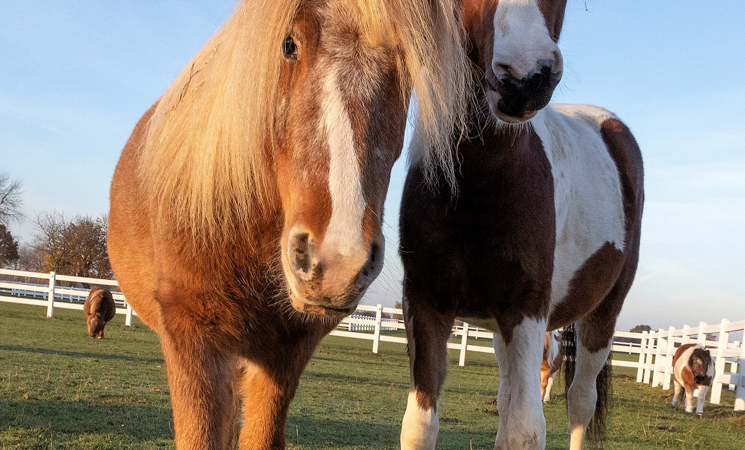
[289,48]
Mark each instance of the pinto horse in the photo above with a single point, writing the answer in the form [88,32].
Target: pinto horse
[246,206]
[543,232]
[693,369]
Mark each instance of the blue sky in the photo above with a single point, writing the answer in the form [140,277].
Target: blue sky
[76,75]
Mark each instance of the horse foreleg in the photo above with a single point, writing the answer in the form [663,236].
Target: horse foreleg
[427,333]
[583,394]
[199,377]
[702,390]
[689,399]
[521,421]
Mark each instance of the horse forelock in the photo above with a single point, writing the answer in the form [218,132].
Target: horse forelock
[206,158]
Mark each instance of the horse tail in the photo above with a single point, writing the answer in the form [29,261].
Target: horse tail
[569,347]
[596,431]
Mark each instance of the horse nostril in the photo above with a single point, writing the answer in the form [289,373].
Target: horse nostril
[301,252]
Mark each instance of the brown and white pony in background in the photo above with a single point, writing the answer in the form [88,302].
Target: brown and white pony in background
[693,369]
[543,232]
[246,206]
[553,356]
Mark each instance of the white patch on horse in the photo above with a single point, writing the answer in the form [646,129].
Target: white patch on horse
[587,189]
[521,37]
[420,426]
[521,421]
[583,394]
[344,232]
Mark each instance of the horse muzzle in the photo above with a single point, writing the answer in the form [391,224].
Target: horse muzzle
[516,100]
[325,282]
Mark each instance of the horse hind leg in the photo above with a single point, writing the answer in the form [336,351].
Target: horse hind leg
[549,385]
[427,332]
[521,421]
[589,395]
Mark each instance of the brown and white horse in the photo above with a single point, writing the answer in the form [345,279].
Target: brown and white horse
[552,359]
[693,369]
[246,206]
[543,232]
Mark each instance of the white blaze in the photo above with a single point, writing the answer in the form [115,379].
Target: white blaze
[344,232]
[521,37]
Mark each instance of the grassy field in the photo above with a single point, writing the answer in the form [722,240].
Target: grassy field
[61,389]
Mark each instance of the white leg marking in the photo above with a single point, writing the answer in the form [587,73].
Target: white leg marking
[344,232]
[689,400]
[420,426]
[521,38]
[521,421]
[583,393]
[547,396]
[701,399]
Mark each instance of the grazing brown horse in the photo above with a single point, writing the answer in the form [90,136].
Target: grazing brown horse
[552,358]
[693,369]
[543,232]
[246,206]
[99,308]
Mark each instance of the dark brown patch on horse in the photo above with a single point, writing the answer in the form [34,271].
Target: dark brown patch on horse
[553,14]
[487,254]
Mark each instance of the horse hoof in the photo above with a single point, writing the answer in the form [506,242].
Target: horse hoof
[701,416]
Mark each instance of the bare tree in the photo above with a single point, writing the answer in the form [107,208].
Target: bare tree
[30,258]
[76,247]
[10,200]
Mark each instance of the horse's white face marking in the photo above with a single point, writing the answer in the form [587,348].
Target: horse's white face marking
[420,426]
[344,232]
[521,421]
[521,37]
[587,188]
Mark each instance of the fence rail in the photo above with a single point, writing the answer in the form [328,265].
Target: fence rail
[655,349]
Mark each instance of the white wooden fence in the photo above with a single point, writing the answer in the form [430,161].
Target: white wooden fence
[655,349]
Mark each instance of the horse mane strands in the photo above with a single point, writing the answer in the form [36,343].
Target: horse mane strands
[443,83]
[204,156]
[435,65]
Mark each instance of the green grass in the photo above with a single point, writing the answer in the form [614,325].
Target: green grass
[61,389]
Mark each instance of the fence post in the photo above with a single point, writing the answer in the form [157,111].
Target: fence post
[128,316]
[734,365]
[463,345]
[716,389]
[669,358]
[648,367]
[657,356]
[50,295]
[740,390]
[686,335]
[642,357]
[378,319]
[701,338]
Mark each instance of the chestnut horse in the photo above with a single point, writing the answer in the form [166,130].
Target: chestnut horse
[543,232]
[246,206]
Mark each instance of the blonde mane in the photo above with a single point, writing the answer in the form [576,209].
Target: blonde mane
[205,156]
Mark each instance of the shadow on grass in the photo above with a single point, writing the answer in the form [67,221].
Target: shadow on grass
[133,423]
[46,351]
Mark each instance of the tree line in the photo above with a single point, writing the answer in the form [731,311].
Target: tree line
[67,246]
